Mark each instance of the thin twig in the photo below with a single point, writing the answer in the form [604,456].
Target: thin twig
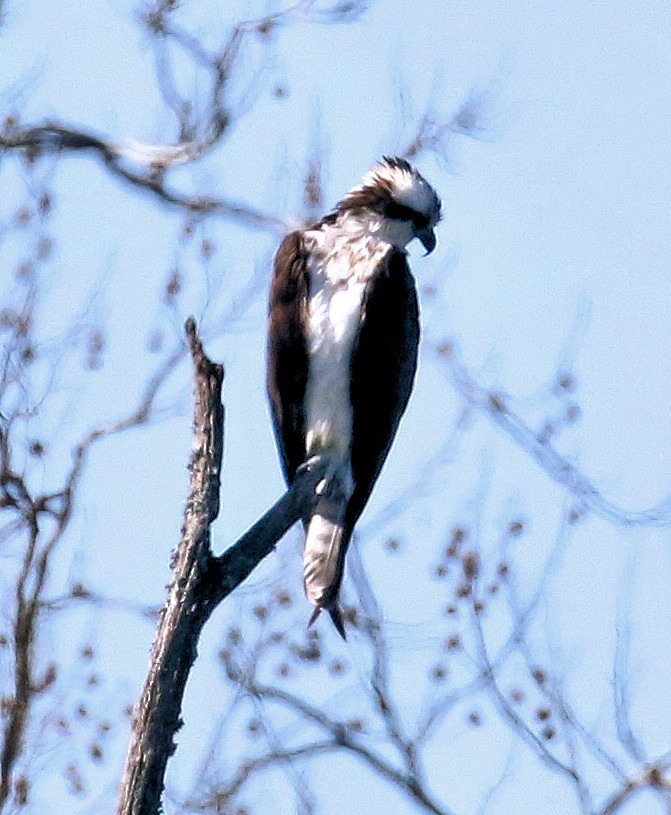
[494,405]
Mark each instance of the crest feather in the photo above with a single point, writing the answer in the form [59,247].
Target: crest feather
[393,179]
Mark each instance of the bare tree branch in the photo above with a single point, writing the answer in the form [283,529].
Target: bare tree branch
[621,690]
[174,650]
[45,519]
[494,405]
[146,166]
[379,681]
[344,738]
[200,583]
[142,166]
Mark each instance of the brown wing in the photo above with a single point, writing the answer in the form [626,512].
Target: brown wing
[287,357]
[384,361]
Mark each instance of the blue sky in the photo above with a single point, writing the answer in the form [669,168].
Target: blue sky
[554,250]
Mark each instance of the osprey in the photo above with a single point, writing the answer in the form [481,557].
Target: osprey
[342,353]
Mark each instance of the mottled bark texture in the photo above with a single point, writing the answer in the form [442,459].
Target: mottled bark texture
[200,582]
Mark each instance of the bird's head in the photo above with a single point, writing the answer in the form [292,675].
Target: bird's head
[408,205]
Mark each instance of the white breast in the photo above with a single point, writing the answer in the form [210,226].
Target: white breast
[342,263]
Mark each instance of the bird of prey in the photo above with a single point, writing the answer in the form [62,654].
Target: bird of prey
[342,353]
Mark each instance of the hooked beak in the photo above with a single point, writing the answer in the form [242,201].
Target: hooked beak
[428,238]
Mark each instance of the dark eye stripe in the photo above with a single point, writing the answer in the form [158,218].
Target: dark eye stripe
[400,212]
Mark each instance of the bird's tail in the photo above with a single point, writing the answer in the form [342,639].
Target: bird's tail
[323,557]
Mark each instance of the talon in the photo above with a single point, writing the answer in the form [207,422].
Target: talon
[313,461]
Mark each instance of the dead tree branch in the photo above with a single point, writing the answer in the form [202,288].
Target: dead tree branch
[200,582]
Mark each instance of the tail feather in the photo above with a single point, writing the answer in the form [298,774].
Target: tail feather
[320,560]
[323,554]
[336,616]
